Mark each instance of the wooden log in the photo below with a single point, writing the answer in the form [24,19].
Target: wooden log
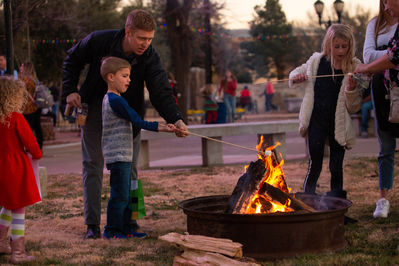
[195,257]
[282,197]
[247,186]
[205,243]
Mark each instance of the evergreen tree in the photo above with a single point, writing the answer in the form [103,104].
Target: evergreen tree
[274,41]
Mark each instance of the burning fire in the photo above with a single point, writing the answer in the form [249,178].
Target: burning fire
[274,176]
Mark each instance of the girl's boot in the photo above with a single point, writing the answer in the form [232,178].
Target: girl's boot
[18,254]
[4,241]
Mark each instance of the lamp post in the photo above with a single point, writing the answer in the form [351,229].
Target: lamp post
[338,6]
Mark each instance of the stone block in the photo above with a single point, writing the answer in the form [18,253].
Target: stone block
[43,180]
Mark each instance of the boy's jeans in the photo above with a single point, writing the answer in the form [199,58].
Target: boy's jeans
[118,209]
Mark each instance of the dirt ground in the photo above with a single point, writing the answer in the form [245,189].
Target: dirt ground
[55,227]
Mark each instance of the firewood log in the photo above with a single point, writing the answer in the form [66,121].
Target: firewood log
[247,187]
[282,197]
[205,243]
[195,257]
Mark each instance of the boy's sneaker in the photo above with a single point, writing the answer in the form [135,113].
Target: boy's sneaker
[111,235]
[134,234]
[382,209]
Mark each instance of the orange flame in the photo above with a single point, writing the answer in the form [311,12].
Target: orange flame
[273,176]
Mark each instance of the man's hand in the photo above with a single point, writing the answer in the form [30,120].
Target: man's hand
[73,99]
[181,129]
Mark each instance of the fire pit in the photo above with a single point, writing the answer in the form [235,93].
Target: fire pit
[274,235]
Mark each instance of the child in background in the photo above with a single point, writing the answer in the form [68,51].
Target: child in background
[210,105]
[117,145]
[324,114]
[18,187]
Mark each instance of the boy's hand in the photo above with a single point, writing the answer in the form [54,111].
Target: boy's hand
[166,128]
[182,129]
[300,78]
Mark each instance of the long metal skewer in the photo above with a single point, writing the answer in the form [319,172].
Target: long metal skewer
[319,76]
[266,153]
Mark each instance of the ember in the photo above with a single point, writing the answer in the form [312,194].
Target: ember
[262,189]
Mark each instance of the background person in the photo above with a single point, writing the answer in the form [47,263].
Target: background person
[210,105]
[245,99]
[324,113]
[378,58]
[3,66]
[31,112]
[365,111]
[228,85]
[133,43]
[269,93]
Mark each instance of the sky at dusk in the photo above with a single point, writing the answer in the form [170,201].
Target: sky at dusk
[238,12]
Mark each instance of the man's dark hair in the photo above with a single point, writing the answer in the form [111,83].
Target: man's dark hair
[140,20]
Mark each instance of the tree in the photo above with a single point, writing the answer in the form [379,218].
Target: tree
[271,31]
[180,37]
[358,22]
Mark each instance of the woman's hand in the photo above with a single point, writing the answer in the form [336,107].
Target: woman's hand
[300,78]
[361,68]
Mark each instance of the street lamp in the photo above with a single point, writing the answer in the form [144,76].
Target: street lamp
[338,6]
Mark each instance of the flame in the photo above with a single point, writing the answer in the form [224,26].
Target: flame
[273,176]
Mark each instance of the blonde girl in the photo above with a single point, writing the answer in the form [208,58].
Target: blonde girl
[18,187]
[324,114]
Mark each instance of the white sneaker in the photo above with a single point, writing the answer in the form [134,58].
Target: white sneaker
[382,209]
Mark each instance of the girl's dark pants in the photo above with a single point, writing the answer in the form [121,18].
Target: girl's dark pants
[317,136]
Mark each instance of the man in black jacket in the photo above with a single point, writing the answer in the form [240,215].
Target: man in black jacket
[133,43]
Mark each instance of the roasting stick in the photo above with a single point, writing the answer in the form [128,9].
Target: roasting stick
[313,77]
[266,153]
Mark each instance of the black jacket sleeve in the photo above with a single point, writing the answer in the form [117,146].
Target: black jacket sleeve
[77,57]
[159,89]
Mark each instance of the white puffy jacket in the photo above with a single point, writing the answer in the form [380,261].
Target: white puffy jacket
[348,102]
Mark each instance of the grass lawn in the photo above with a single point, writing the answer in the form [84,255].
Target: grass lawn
[55,227]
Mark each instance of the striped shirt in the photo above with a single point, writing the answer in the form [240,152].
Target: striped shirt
[117,135]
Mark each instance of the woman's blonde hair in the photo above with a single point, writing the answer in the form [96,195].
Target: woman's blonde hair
[343,32]
[29,69]
[13,96]
[382,22]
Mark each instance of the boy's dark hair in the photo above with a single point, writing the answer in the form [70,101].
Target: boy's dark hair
[112,65]
[140,20]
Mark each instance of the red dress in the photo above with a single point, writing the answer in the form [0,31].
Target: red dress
[18,186]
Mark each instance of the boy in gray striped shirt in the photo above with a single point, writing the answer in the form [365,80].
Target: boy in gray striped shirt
[117,145]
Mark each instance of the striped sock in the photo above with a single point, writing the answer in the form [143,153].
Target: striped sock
[18,223]
[5,218]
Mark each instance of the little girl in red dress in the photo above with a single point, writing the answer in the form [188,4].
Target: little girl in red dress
[18,187]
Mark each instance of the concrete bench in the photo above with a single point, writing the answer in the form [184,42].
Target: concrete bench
[273,132]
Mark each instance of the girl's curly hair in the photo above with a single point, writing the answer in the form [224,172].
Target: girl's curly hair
[13,96]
